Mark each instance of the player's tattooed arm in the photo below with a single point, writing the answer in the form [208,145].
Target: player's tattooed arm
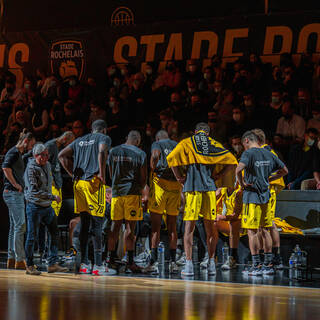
[66,159]
[155,156]
[102,159]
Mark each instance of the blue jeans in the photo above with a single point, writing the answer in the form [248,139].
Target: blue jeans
[46,215]
[15,203]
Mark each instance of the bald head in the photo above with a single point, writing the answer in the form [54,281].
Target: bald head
[134,138]
[162,135]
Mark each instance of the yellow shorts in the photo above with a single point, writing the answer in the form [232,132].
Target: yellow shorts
[55,205]
[272,202]
[164,196]
[126,207]
[200,204]
[90,196]
[255,216]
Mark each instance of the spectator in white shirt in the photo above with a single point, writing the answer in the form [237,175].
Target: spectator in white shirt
[290,125]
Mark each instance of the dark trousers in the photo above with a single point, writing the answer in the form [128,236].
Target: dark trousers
[95,232]
[45,215]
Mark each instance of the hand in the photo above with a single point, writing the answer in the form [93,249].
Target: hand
[18,187]
[58,199]
[221,217]
[289,185]
[318,186]
[181,180]
[102,179]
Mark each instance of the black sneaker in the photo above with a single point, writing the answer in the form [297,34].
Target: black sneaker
[277,263]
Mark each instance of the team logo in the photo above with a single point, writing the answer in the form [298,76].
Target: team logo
[122,16]
[67,58]
[91,207]
[133,213]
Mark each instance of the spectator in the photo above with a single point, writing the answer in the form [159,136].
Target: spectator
[290,125]
[97,113]
[116,119]
[193,73]
[171,77]
[301,160]
[56,113]
[224,105]
[236,146]
[70,114]
[75,92]
[39,116]
[238,125]
[218,130]
[78,129]
[315,121]
[303,104]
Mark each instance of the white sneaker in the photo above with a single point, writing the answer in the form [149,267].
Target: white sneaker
[142,257]
[151,268]
[229,264]
[253,271]
[211,267]
[103,271]
[85,268]
[204,262]
[173,267]
[187,270]
[182,260]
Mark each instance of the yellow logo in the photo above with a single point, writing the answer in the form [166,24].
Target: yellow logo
[122,16]
[67,58]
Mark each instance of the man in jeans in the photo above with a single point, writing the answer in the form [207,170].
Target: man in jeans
[38,194]
[13,169]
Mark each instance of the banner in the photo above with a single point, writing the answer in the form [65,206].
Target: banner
[87,52]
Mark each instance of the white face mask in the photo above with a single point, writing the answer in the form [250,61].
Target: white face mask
[236,117]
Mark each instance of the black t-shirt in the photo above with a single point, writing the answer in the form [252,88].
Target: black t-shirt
[13,160]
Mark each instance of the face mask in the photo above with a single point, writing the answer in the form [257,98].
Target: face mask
[192,68]
[206,76]
[111,104]
[310,142]
[316,117]
[111,72]
[236,117]
[72,83]
[238,148]
[27,86]
[248,103]
[191,90]
[275,100]
[123,72]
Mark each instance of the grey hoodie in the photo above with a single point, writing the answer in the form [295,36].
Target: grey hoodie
[38,183]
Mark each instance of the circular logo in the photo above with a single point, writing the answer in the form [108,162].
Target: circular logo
[122,16]
[81,143]
[133,213]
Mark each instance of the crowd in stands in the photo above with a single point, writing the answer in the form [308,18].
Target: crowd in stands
[283,100]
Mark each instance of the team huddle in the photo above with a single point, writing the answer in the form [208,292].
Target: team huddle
[197,173]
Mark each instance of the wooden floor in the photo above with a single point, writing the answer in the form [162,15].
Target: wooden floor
[67,296]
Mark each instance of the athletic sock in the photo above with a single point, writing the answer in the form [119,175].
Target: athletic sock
[154,255]
[276,251]
[255,260]
[173,254]
[267,258]
[234,253]
[130,257]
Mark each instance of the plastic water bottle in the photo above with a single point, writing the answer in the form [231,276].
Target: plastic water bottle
[161,253]
[225,253]
[195,253]
[291,265]
[298,254]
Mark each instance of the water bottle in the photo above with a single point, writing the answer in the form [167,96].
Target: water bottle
[298,254]
[195,253]
[225,253]
[161,253]
[291,265]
